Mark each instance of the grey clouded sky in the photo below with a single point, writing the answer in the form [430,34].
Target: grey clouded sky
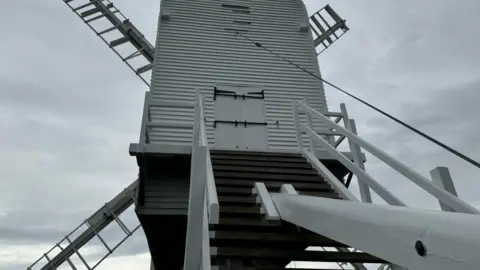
[69,108]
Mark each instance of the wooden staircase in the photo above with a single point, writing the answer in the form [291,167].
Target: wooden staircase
[244,239]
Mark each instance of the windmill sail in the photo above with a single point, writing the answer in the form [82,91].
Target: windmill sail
[68,249]
[118,33]
[327,27]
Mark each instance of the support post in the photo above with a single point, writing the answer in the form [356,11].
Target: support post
[441,177]
[313,144]
[296,119]
[263,197]
[365,195]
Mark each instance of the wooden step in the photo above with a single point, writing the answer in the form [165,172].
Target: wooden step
[284,240]
[261,163]
[271,185]
[286,177]
[237,211]
[247,191]
[260,158]
[236,200]
[254,153]
[293,255]
[256,223]
[264,169]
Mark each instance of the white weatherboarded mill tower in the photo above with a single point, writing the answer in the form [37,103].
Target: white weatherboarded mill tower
[238,157]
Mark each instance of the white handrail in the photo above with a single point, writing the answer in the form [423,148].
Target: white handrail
[203,208]
[329,177]
[445,197]
[362,175]
[211,190]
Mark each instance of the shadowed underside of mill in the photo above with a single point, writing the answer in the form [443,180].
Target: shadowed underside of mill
[243,238]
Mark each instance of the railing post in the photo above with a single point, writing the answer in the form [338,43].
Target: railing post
[313,144]
[441,177]
[296,119]
[263,197]
[356,153]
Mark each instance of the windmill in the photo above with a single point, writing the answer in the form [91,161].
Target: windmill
[222,157]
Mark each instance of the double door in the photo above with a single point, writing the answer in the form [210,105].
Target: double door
[240,118]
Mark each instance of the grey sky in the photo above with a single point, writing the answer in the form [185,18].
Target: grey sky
[69,108]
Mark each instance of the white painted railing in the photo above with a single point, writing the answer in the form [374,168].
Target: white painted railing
[203,208]
[356,144]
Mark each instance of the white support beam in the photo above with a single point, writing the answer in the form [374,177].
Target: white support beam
[423,182]
[364,189]
[415,239]
[441,177]
[361,174]
[263,197]
[328,176]
[297,125]
[356,152]
[313,144]
[193,245]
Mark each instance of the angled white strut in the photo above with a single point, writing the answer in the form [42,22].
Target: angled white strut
[414,239]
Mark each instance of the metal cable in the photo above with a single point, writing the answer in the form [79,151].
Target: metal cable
[444,146]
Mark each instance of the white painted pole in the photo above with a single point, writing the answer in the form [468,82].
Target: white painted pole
[297,124]
[329,177]
[365,195]
[441,177]
[313,144]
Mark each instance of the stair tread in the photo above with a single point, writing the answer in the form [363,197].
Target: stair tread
[255,239]
[265,170]
[248,190]
[260,158]
[260,163]
[214,152]
[295,255]
[311,177]
[248,183]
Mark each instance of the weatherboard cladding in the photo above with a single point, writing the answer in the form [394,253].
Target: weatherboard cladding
[198,48]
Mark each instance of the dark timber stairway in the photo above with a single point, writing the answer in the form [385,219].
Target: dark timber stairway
[244,239]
